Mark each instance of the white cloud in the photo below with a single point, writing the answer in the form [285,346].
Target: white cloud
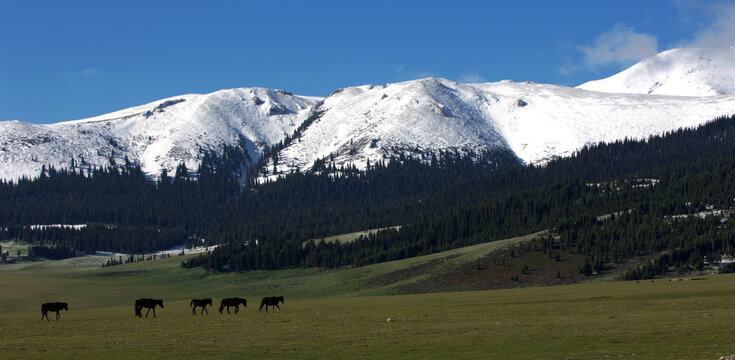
[471,77]
[721,31]
[622,46]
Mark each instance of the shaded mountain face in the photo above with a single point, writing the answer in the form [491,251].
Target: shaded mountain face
[682,72]
[371,123]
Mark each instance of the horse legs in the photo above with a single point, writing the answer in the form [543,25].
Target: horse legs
[194,310]
[58,315]
[279,308]
[204,308]
[154,311]
[46,315]
[237,308]
[149,311]
[228,309]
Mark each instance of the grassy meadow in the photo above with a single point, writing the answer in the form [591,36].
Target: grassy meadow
[344,315]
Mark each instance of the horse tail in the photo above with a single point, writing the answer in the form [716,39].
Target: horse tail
[262,302]
[221,306]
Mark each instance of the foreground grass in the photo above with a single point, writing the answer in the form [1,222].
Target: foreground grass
[661,320]
[343,315]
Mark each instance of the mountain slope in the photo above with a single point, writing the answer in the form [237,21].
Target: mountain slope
[374,122]
[683,72]
[157,135]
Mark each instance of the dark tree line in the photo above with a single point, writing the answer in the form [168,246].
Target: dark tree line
[498,204]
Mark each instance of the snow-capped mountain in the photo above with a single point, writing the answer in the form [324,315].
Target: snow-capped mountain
[684,72]
[353,125]
[371,122]
[157,135]
[535,121]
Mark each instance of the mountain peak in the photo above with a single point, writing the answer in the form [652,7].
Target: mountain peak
[677,72]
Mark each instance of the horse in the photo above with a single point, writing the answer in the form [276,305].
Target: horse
[200,302]
[271,301]
[147,303]
[54,306]
[235,301]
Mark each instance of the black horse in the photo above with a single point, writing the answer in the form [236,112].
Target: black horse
[271,301]
[147,303]
[234,301]
[202,303]
[54,306]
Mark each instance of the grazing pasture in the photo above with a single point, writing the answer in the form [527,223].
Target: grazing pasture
[338,315]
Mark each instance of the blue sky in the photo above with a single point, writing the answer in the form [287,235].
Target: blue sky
[66,60]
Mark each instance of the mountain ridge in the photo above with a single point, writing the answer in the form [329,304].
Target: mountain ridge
[369,123]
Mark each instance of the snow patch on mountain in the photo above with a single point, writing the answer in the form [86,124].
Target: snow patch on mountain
[682,72]
[557,120]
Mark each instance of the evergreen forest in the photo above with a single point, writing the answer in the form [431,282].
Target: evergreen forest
[669,196]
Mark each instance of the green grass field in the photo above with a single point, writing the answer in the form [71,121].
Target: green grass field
[343,315]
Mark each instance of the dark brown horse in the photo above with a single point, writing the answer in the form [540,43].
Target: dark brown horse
[271,301]
[234,301]
[200,302]
[54,306]
[147,303]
